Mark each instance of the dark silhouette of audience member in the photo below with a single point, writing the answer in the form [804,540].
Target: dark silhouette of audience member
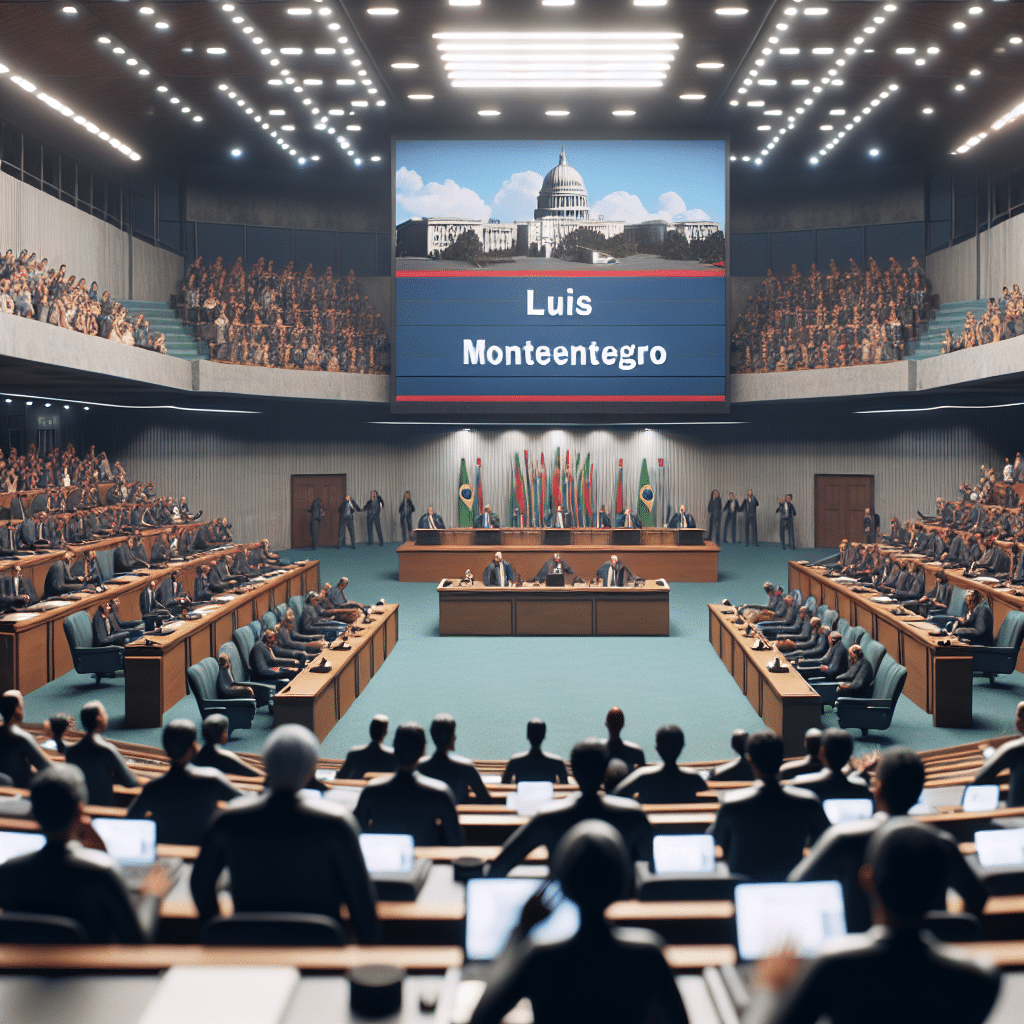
[667,783]
[617,746]
[830,783]
[808,763]
[738,769]
[372,756]
[458,773]
[280,827]
[213,754]
[66,879]
[897,972]
[182,800]
[547,826]
[601,973]
[99,759]
[19,752]
[534,765]
[1010,755]
[408,802]
[54,728]
[838,854]
[763,829]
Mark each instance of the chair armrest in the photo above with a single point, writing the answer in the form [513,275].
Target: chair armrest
[230,702]
[868,703]
[998,651]
[95,652]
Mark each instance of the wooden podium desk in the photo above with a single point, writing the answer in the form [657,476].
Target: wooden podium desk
[785,701]
[317,700]
[154,667]
[537,610]
[679,556]
[939,679]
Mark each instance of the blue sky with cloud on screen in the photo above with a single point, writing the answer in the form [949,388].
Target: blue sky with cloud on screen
[632,180]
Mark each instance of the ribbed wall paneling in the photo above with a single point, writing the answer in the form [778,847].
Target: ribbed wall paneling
[240,465]
[1002,257]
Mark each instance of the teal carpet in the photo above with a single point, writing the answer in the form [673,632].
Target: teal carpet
[493,686]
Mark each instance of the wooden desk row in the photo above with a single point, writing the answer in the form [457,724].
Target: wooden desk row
[33,647]
[939,679]
[317,700]
[154,667]
[534,610]
[785,701]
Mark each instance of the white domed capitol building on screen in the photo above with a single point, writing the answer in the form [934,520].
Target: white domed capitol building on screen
[563,205]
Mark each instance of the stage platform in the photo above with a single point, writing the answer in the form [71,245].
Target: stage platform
[679,556]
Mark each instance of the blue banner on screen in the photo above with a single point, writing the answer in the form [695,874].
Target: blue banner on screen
[601,280]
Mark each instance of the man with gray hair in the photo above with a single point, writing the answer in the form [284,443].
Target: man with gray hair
[286,852]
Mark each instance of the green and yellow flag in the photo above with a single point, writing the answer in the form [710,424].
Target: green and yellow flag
[645,498]
[465,497]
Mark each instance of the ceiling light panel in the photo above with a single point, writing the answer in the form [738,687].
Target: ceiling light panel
[557,60]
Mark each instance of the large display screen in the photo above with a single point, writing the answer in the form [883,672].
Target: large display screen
[542,274]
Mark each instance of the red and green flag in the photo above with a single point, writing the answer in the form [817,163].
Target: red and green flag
[556,483]
[465,497]
[619,506]
[520,496]
[645,498]
[588,480]
[478,501]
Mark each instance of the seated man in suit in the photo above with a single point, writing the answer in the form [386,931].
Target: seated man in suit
[160,553]
[184,799]
[171,594]
[153,612]
[615,746]
[104,632]
[338,606]
[139,550]
[682,520]
[59,580]
[613,574]
[738,769]
[897,779]
[370,757]
[763,830]
[204,539]
[458,773]
[857,681]
[666,783]
[558,519]
[31,537]
[430,520]
[213,753]
[808,763]
[628,519]
[87,568]
[409,802]
[67,880]
[280,827]
[976,626]
[487,520]
[1009,755]
[267,667]
[99,759]
[125,560]
[229,688]
[548,825]
[534,765]
[8,540]
[603,520]
[311,622]
[556,566]
[833,664]
[814,648]
[912,976]
[498,572]
[201,589]
[600,974]
[16,591]
[19,751]
[287,645]
[830,783]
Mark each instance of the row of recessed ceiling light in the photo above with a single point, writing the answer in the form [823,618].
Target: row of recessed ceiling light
[263,122]
[1001,122]
[62,108]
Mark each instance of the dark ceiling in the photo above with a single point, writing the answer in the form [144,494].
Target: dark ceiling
[56,46]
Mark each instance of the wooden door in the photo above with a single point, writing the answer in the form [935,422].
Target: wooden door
[330,489]
[839,503]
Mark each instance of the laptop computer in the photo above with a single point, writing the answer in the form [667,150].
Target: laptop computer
[684,868]
[391,861]
[801,915]
[17,844]
[554,579]
[132,843]
[530,797]
[674,855]
[847,809]
[1000,847]
[980,798]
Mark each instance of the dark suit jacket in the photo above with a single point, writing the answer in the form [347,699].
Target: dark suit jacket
[103,765]
[182,801]
[478,523]
[425,525]
[411,804]
[549,566]
[860,678]
[535,766]
[634,521]
[459,774]
[214,756]
[284,828]
[764,829]
[491,574]
[662,784]
[977,627]
[25,587]
[369,757]
[829,785]
[19,754]
[1009,755]
[58,582]
[677,522]
[105,634]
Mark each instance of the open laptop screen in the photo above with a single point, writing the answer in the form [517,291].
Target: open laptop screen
[980,798]
[494,906]
[15,844]
[800,915]
[1000,847]
[674,855]
[387,853]
[530,797]
[847,809]
[128,840]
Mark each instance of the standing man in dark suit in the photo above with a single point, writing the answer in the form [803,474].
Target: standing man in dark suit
[612,574]
[498,573]
[405,511]
[553,565]
[731,510]
[346,521]
[787,513]
[715,517]
[869,527]
[373,510]
[749,510]
[316,513]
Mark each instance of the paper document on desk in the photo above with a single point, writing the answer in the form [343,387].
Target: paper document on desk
[222,995]
[19,616]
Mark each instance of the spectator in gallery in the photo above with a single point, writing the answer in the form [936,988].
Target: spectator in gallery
[535,765]
[666,783]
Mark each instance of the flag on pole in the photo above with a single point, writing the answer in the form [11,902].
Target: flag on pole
[520,496]
[545,496]
[661,489]
[588,479]
[528,487]
[619,507]
[511,494]
[556,484]
[645,498]
[465,497]
[478,500]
